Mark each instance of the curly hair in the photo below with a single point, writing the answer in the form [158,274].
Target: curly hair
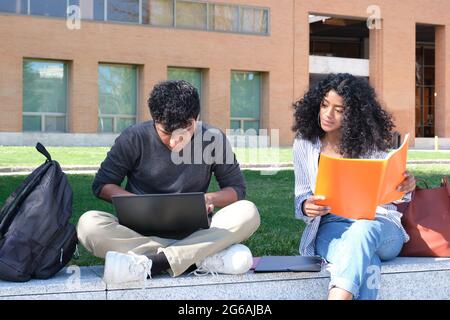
[366,127]
[174,104]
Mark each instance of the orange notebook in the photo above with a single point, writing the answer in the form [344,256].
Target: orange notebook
[353,188]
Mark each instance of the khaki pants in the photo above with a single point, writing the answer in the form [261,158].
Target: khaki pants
[100,232]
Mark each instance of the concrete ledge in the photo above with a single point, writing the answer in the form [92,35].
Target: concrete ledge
[402,278]
[70,283]
[428,143]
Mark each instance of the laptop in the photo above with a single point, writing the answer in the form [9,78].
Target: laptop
[174,215]
[288,264]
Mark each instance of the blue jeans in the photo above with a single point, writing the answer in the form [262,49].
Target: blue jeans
[356,248]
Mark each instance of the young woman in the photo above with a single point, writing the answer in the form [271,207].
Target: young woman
[341,117]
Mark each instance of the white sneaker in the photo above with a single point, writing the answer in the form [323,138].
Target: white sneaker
[126,267]
[236,259]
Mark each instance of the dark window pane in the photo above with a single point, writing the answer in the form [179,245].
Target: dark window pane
[419,132]
[31,123]
[124,123]
[14,6]
[123,10]
[52,8]
[55,124]
[428,96]
[429,57]
[429,76]
[235,124]
[251,127]
[105,125]
[343,49]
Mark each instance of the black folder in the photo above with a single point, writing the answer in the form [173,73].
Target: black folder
[289,264]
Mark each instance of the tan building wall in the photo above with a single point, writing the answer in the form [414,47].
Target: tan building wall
[282,56]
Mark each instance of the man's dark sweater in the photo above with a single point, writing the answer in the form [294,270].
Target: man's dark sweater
[139,154]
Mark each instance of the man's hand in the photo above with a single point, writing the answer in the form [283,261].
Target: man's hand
[313,210]
[209,204]
[221,198]
[110,190]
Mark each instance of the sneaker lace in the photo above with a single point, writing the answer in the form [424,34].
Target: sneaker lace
[211,265]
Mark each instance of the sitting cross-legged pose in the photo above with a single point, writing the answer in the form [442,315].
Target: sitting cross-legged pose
[144,153]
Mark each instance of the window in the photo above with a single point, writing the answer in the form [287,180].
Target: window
[51,8]
[191,15]
[117,93]
[223,17]
[254,20]
[245,100]
[160,13]
[14,6]
[44,96]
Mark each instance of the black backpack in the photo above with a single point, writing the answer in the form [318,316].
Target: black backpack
[36,238]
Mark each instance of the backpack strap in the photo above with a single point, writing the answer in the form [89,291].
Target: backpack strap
[41,149]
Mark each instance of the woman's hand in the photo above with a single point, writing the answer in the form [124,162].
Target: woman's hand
[407,185]
[313,210]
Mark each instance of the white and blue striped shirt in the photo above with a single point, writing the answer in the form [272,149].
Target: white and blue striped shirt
[306,157]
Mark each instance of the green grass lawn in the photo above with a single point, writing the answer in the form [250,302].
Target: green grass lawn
[279,233]
[93,156]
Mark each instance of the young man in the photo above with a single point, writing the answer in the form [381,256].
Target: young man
[149,154]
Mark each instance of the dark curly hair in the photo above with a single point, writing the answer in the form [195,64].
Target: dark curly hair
[174,104]
[366,127]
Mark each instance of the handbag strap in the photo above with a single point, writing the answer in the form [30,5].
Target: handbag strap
[444,183]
